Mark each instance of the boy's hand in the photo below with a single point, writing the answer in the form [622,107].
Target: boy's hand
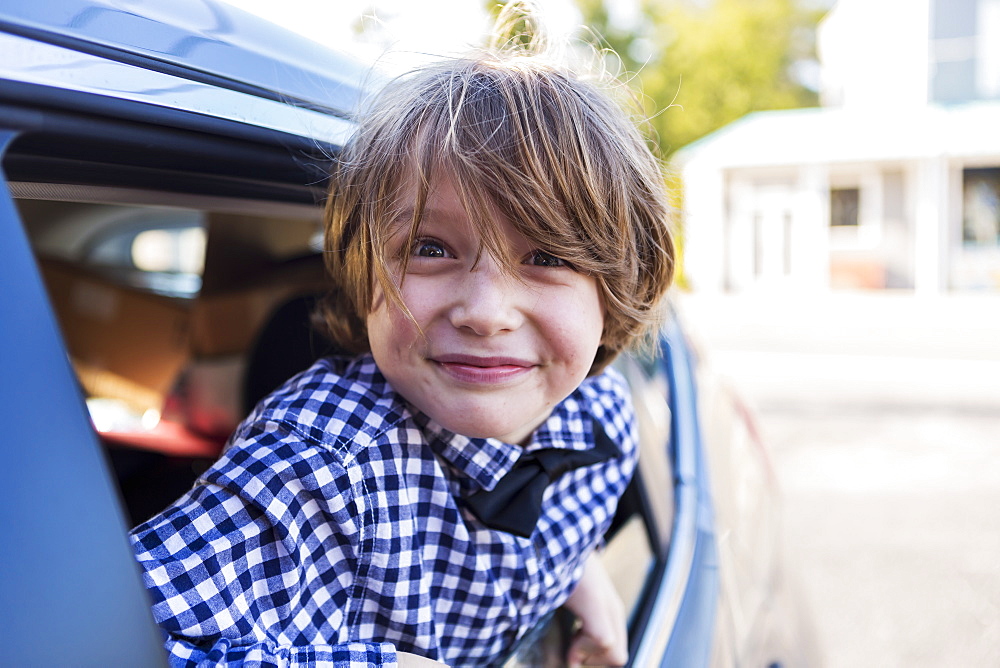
[603,636]
[407,660]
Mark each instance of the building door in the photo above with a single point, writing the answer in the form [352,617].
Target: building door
[761,240]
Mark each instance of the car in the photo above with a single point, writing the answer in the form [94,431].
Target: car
[164,169]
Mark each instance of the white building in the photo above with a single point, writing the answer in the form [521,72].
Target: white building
[894,183]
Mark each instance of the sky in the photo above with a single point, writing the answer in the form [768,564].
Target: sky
[404,26]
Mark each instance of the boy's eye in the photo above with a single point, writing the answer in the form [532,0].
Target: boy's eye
[429,248]
[540,258]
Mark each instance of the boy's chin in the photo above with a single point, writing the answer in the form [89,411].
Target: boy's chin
[500,428]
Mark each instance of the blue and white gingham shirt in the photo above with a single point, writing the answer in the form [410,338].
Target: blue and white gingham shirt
[329,532]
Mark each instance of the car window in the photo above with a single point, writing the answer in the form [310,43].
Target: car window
[150,248]
[160,296]
[159,304]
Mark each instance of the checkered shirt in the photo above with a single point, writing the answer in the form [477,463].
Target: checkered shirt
[331,532]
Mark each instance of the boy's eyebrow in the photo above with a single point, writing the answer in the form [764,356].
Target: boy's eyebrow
[401,221]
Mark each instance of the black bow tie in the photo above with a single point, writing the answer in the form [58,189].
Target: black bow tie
[515,504]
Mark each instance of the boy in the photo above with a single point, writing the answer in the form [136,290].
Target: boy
[496,234]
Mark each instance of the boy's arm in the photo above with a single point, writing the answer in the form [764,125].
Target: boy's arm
[174,605]
[226,586]
[221,593]
[603,635]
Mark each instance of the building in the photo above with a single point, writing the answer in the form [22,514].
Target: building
[893,183]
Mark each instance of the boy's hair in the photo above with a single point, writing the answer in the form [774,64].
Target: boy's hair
[518,136]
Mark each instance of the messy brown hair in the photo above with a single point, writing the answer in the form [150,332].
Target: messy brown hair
[518,136]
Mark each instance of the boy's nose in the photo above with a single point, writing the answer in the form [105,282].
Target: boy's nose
[487,300]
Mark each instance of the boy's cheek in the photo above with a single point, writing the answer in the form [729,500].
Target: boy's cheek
[389,327]
[382,307]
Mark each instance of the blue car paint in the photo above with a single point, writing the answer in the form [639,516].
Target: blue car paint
[199,40]
[691,638]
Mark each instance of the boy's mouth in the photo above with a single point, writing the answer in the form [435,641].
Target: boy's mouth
[477,370]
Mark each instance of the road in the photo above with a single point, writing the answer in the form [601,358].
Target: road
[882,413]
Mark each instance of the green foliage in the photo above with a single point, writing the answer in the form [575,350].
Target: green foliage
[702,65]
[515,26]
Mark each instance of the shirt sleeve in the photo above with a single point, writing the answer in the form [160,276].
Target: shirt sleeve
[261,655]
[255,565]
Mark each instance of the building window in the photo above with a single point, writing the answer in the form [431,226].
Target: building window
[844,207]
[981,206]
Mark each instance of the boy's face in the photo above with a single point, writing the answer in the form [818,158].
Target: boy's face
[498,353]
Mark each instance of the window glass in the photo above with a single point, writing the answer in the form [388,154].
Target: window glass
[628,558]
[844,203]
[156,249]
[981,207]
[159,304]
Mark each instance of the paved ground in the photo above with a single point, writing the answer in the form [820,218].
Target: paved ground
[883,416]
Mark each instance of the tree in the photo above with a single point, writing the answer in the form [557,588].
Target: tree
[702,65]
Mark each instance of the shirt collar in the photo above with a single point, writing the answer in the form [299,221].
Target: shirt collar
[487,460]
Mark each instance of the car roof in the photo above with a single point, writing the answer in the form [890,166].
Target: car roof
[200,40]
